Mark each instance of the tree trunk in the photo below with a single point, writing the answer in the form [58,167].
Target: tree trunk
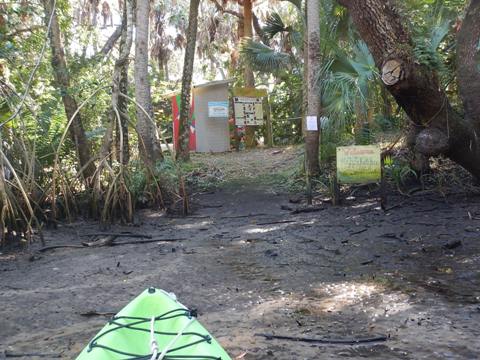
[167,75]
[118,113]
[62,82]
[312,137]
[415,87]
[387,111]
[250,141]
[183,151]
[121,138]
[148,142]
[95,9]
[467,63]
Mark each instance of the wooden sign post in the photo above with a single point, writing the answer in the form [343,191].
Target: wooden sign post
[358,165]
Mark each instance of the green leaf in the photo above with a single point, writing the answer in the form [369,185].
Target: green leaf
[262,57]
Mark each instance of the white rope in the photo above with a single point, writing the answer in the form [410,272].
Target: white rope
[153,342]
[170,344]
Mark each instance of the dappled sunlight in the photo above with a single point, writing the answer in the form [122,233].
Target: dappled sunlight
[335,297]
[261,230]
[362,298]
[365,204]
[470,260]
[155,214]
[194,225]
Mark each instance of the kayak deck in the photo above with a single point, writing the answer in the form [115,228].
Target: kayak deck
[154,326]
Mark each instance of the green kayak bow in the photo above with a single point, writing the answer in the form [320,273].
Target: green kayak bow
[154,326]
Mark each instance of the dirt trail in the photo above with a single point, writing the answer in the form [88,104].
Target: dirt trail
[250,267]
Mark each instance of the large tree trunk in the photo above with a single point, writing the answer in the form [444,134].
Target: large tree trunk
[148,142]
[415,87]
[250,141]
[312,137]
[467,63]
[62,82]
[183,151]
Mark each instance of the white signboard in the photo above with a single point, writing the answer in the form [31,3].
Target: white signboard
[248,110]
[312,123]
[218,109]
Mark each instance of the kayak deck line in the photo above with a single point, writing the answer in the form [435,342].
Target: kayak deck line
[136,333]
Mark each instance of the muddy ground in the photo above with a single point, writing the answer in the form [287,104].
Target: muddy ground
[250,266]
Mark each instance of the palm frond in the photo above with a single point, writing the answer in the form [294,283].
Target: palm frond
[264,58]
[295,38]
[439,33]
[274,25]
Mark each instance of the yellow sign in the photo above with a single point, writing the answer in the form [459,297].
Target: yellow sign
[358,164]
[249,92]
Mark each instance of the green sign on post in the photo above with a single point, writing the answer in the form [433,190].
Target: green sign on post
[358,164]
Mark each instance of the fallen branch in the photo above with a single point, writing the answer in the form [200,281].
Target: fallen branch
[358,231]
[47,248]
[91,313]
[189,217]
[115,243]
[242,216]
[105,241]
[325,341]
[367,262]
[308,209]
[277,222]
[109,243]
[118,235]
[9,354]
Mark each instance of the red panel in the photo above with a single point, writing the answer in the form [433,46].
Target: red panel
[176,107]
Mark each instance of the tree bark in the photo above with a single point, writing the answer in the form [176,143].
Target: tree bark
[110,43]
[467,63]
[118,113]
[122,137]
[250,141]
[415,87]
[312,137]
[148,142]
[183,152]
[62,82]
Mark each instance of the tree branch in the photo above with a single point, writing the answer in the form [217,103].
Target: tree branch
[226,11]
[255,21]
[259,30]
[110,43]
[414,86]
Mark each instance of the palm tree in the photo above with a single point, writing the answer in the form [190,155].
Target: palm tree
[249,79]
[149,143]
[349,86]
[183,151]
[312,133]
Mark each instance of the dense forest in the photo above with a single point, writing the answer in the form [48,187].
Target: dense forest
[86,116]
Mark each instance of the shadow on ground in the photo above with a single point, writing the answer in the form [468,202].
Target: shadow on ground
[411,273]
